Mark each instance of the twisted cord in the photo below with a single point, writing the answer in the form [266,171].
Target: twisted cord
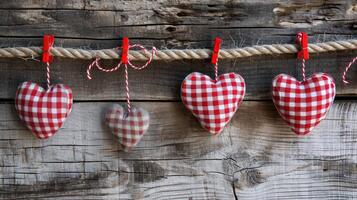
[347,68]
[175,54]
[48,75]
[127,90]
[303,69]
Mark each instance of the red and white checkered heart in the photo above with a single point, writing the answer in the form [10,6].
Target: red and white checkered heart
[129,127]
[212,102]
[43,111]
[303,104]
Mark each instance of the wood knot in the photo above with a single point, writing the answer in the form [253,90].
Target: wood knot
[145,172]
[244,169]
[171,29]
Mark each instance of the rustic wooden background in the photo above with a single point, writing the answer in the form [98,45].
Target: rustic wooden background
[256,157]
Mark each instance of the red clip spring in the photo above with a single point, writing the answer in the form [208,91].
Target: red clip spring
[217,46]
[302,42]
[125,50]
[48,41]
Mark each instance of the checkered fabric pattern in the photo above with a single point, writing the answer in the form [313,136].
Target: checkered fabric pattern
[303,104]
[212,102]
[129,128]
[43,111]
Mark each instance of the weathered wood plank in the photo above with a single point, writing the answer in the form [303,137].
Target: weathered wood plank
[175,24]
[162,80]
[257,155]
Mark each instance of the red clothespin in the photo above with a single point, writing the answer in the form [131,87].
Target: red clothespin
[302,42]
[217,46]
[125,50]
[48,41]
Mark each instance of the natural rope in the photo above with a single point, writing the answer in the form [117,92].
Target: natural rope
[30,52]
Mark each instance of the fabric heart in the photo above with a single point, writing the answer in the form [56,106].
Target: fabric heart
[212,102]
[303,104]
[43,112]
[129,127]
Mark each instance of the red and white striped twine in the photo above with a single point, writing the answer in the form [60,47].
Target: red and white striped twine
[127,89]
[112,69]
[96,64]
[303,69]
[299,38]
[153,52]
[48,75]
[216,71]
[347,68]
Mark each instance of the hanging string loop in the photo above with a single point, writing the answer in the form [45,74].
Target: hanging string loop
[215,53]
[347,68]
[47,58]
[303,53]
[126,62]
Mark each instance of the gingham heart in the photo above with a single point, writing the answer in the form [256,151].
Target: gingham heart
[129,127]
[43,111]
[303,104]
[212,102]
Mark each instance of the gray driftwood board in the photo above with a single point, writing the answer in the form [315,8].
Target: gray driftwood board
[256,157]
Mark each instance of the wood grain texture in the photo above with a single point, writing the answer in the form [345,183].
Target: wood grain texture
[174,24]
[256,157]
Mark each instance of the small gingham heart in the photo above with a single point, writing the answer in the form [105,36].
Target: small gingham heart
[43,111]
[212,102]
[303,104]
[129,127]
